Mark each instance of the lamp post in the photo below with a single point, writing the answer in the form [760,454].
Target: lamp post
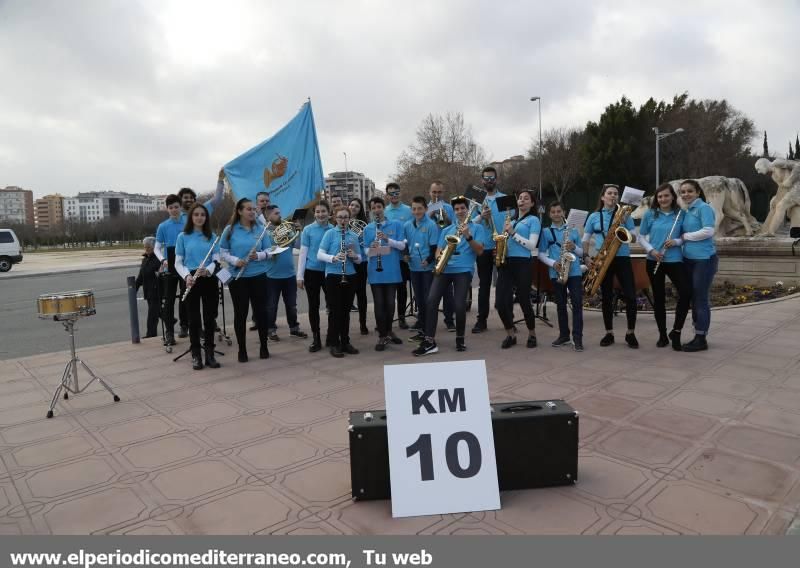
[346,174]
[659,137]
[541,156]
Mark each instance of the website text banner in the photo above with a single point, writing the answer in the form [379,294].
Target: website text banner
[434,551]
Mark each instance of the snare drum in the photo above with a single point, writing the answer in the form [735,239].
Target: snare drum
[66,304]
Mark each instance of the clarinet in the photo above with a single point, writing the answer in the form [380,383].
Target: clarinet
[343,249]
[379,268]
[669,236]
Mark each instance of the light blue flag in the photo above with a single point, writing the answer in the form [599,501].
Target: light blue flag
[287,166]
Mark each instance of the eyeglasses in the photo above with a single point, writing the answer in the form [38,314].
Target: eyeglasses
[342,218]
[393,193]
[489,178]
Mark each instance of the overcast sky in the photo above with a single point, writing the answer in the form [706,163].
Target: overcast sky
[154,95]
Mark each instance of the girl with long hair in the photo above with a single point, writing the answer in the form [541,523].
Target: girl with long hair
[311,271]
[356,208]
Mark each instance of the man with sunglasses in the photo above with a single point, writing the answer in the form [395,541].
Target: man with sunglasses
[400,212]
[489,216]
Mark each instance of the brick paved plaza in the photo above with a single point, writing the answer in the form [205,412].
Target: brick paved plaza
[670,442]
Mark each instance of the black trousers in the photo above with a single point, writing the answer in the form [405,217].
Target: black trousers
[243,291]
[360,283]
[621,268]
[485,263]
[203,291]
[314,284]
[517,273]
[402,290]
[460,283]
[174,285]
[153,311]
[383,296]
[680,279]
[421,281]
[340,297]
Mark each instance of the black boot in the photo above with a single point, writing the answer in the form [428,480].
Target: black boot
[316,344]
[263,353]
[197,361]
[211,361]
[242,355]
[663,339]
[696,344]
[675,337]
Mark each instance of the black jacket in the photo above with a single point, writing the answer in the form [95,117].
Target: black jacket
[148,277]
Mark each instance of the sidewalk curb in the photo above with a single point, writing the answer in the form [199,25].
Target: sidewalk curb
[68,271]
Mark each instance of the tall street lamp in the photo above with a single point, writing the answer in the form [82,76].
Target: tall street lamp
[659,137]
[346,174]
[541,155]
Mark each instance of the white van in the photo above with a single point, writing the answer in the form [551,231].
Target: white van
[10,250]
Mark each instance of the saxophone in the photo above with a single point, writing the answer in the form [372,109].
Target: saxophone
[566,259]
[616,236]
[501,244]
[452,241]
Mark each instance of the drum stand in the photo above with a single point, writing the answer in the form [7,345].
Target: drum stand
[222,332]
[69,380]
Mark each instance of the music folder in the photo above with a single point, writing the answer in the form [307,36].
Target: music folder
[475,193]
[506,202]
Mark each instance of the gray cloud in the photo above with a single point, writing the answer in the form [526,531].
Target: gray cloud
[151,96]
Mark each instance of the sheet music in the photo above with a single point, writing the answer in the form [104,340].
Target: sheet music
[577,218]
[632,196]
[384,250]
[434,207]
[277,250]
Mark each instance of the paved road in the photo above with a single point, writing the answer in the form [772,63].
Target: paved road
[22,333]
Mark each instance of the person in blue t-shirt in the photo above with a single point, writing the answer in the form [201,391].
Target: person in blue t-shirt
[383,270]
[660,236]
[700,256]
[166,238]
[517,272]
[457,272]
[550,252]
[188,197]
[242,247]
[311,272]
[597,226]
[280,281]
[196,257]
[400,212]
[492,220]
[340,251]
[358,214]
[422,236]
[441,212]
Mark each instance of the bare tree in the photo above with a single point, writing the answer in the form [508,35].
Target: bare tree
[444,149]
[561,167]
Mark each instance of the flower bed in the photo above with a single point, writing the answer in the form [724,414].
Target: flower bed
[725,294]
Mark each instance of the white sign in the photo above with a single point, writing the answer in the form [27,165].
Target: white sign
[441,448]
[632,196]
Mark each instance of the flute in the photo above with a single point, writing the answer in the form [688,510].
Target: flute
[252,250]
[669,236]
[203,263]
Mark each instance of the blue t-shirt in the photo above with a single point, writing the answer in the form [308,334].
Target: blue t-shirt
[499,218]
[280,265]
[552,247]
[422,240]
[597,225]
[400,213]
[194,248]
[239,241]
[311,238]
[699,215]
[332,244]
[656,226]
[463,258]
[168,231]
[390,262]
[527,227]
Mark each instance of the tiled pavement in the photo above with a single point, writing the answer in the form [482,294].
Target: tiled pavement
[670,442]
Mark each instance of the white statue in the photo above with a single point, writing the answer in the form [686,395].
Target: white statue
[786,174]
[729,198]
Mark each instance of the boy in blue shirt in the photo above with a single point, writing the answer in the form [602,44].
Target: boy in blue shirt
[166,238]
[280,282]
[383,270]
[441,213]
[458,273]
[400,212]
[422,237]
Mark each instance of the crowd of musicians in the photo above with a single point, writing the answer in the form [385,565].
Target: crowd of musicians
[436,246]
